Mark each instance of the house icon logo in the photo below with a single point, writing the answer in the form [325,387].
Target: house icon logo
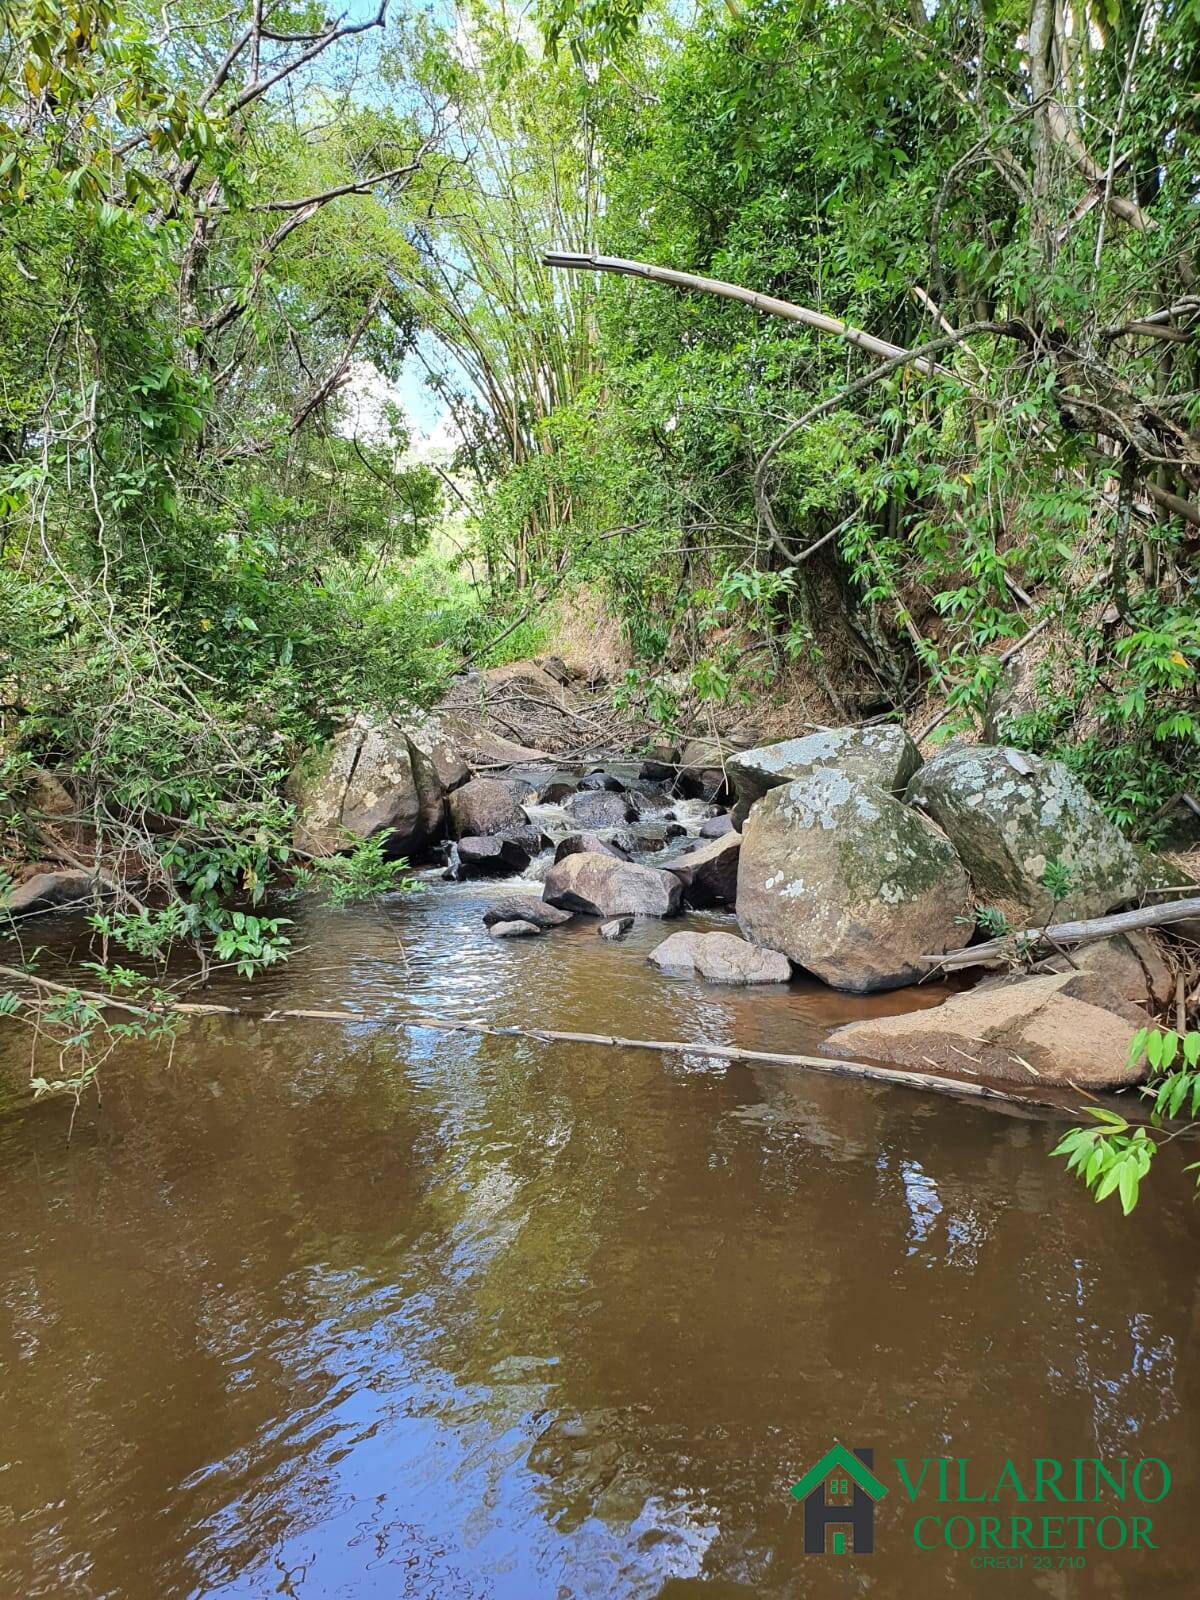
[840,1492]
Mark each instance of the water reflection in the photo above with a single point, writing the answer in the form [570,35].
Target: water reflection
[323,1311]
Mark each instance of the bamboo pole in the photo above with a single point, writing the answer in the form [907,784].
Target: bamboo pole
[1069,933]
[573,261]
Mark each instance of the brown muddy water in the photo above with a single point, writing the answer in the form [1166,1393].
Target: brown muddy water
[327,1311]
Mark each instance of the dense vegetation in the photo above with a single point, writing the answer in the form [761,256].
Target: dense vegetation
[213,221]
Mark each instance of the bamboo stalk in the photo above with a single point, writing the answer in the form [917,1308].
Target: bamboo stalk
[1084,932]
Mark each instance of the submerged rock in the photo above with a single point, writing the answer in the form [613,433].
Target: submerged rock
[1009,814]
[519,929]
[602,886]
[484,806]
[721,958]
[850,883]
[884,756]
[616,929]
[709,874]
[599,809]
[525,908]
[1028,1030]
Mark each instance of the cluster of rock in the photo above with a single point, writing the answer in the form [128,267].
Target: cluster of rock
[841,853]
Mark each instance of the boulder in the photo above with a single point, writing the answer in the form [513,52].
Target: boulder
[369,779]
[616,929]
[1009,814]
[514,930]
[1028,1030]
[524,908]
[601,886]
[484,806]
[717,827]
[527,677]
[51,890]
[660,768]
[651,835]
[1125,973]
[884,756]
[575,843]
[709,874]
[703,767]
[592,809]
[557,789]
[595,782]
[493,852]
[721,958]
[554,667]
[436,743]
[850,883]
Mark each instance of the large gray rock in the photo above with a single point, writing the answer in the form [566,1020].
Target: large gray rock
[432,740]
[369,779]
[1031,1031]
[577,843]
[884,756]
[709,873]
[1008,814]
[45,891]
[850,883]
[721,958]
[524,908]
[484,806]
[599,809]
[601,886]
[494,852]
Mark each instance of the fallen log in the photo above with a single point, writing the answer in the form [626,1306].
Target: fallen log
[1074,933]
[958,1088]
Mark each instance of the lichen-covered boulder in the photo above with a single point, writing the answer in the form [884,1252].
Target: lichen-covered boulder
[884,756]
[434,741]
[369,779]
[482,807]
[1009,814]
[850,883]
[1030,1030]
[601,886]
[721,958]
[709,873]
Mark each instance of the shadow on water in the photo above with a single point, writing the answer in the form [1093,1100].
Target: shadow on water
[320,1310]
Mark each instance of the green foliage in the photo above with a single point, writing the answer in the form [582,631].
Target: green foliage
[362,874]
[1113,1157]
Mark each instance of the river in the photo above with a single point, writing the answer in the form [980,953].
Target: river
[315,1309]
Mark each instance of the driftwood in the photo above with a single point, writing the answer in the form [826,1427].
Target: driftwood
[960,1089]
[982,955]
